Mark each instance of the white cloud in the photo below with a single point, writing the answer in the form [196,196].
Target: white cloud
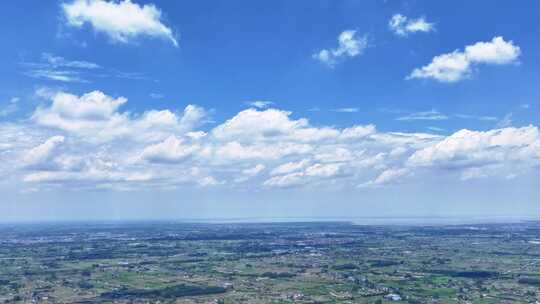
[97,116]
[506,121]
[11,107]
[171,150]
[455,66]
[477,117]
[122,21]
[255,170]
[285,181]
[387,177]
[357,132]
[260,104]
[323,170]
[57,75]
[58,61]
[472,173]
[349,46]
[402,26]
[496,51]
[41,155]
[465,148]
[257,125]
[286,175]
[290,167]
[334,154]
[390,175]
[236,151]
[426,115]
[92,144]
[58,68]
[346,110]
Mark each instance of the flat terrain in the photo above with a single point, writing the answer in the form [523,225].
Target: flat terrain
[329,262]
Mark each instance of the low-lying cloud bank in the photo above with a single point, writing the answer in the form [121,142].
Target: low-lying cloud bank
[89,142]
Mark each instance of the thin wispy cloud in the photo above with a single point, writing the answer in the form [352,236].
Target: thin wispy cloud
[156,95]
[506,121]
[476,117]
[436,129]
[426,115]
[346,110]
[11,107]
[60,62]
[260,104]
[58,68]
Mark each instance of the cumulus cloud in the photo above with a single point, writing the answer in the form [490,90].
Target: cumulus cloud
[122,21]
[390,175]
[255,125]
[290,167]
[455,66]
[91,143]
[311,174]
[97,116]
[403,26]
[285,181]
[41,155]
[236,151]
[171,150]
[349,46]
[466,149]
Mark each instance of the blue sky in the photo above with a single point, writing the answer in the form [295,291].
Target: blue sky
[175,109]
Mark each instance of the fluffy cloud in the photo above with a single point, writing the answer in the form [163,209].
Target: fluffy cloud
[466,149]
[402,26]
[41,155]
[390,175]
[122,21]
[171,150]
[97,116]
[271,124]
[349,46]
[88,142]
[290,167]
[311,174]
[236,151]
[455,66]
